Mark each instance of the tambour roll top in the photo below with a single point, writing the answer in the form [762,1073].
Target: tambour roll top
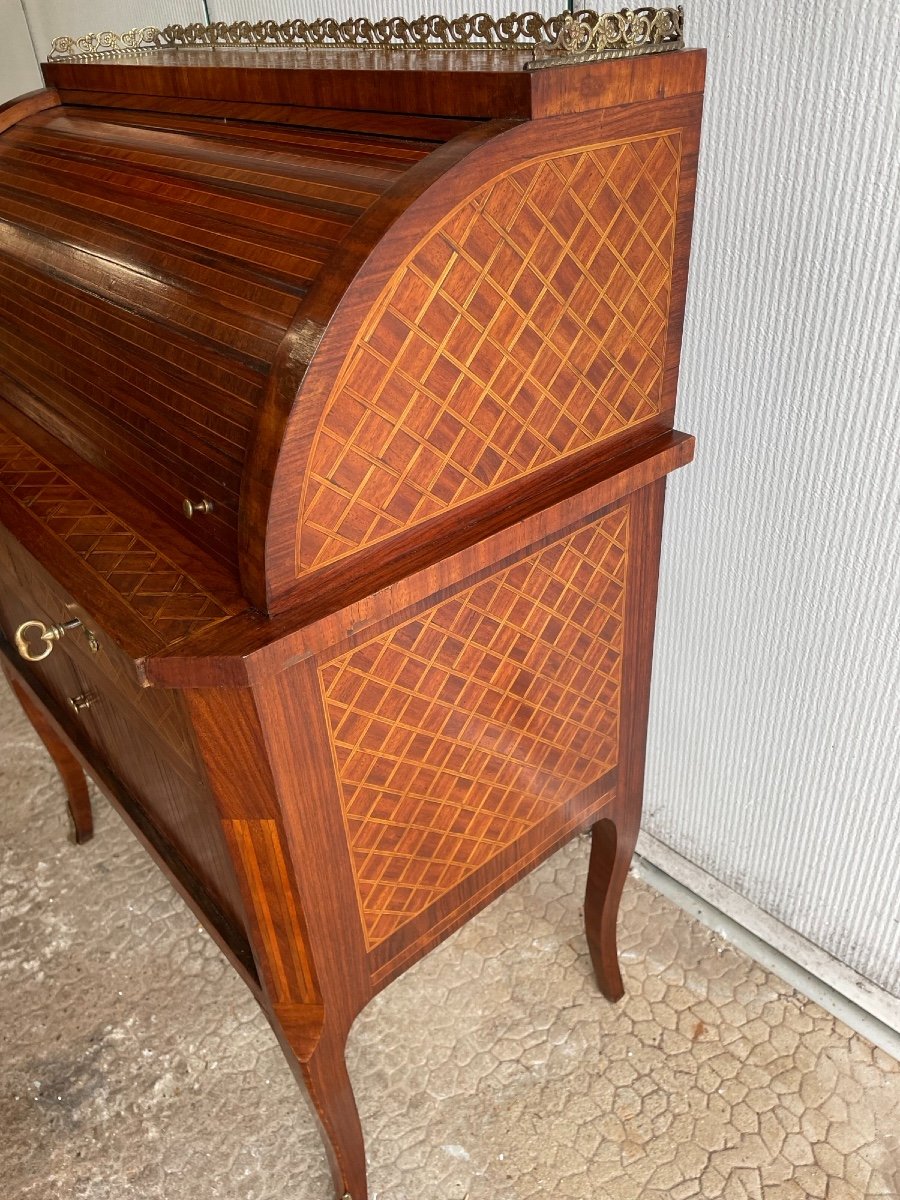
[317,311]
[150,268]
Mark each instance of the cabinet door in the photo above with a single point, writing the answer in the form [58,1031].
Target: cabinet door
[19,604]
[139,735]
[149,748]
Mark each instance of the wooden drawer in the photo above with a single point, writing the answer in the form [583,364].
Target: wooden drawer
[28,594]
[31,593]
[143,736]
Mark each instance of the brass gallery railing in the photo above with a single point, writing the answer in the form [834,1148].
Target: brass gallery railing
[580,36]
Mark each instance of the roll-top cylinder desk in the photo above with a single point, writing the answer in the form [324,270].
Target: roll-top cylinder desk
[337,390]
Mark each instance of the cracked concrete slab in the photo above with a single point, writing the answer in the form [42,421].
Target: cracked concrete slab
[136,1065]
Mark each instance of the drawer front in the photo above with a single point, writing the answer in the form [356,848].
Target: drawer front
[55,672]
[33,594]
[141,735]
[171,790]
[28,595]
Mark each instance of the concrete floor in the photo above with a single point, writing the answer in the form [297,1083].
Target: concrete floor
[137,1067]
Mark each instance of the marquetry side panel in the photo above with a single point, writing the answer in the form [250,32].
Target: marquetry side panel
[458,731]
[528,325]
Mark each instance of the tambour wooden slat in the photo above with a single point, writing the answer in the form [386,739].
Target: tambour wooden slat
[247,360]
[151,394]
[232,386]
[228,214]
[94,220]
[289,115]
[334,143]
[271,147]
[191,157]
[152,265]
[314,225]
[63,388]
[176,289]
[161,470]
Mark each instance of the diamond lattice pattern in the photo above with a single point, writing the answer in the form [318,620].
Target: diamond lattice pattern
[529,325]
[166,598]
[458,731]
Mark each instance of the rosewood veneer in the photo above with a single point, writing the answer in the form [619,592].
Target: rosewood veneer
[336,405]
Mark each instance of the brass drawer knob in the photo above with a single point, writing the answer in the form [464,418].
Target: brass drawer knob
[38,648]
[191,508]
[79,703]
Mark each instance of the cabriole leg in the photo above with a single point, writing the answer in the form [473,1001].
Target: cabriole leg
[612,846]
[71,773]
[327,1086]
[276,794]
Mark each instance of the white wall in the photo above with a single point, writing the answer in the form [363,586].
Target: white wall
[284,10]
[774,757]
[773,751]
[18,66]
[54,18]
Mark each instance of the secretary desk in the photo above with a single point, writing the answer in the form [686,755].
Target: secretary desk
[337,385]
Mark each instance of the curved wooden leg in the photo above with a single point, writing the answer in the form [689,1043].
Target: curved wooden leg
[612,846]
[71,773]
[330,1095]
[310,958]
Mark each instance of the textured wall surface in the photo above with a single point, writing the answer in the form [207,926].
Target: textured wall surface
[18,66]
[51,18]
[774,756]
[774,762]
[48,19]
[283,10]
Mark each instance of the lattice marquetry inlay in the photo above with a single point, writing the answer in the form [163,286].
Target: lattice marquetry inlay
[529,325]
[159,591]
[459,730]
[269,894]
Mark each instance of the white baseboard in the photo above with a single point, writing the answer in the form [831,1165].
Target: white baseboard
[852,998]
